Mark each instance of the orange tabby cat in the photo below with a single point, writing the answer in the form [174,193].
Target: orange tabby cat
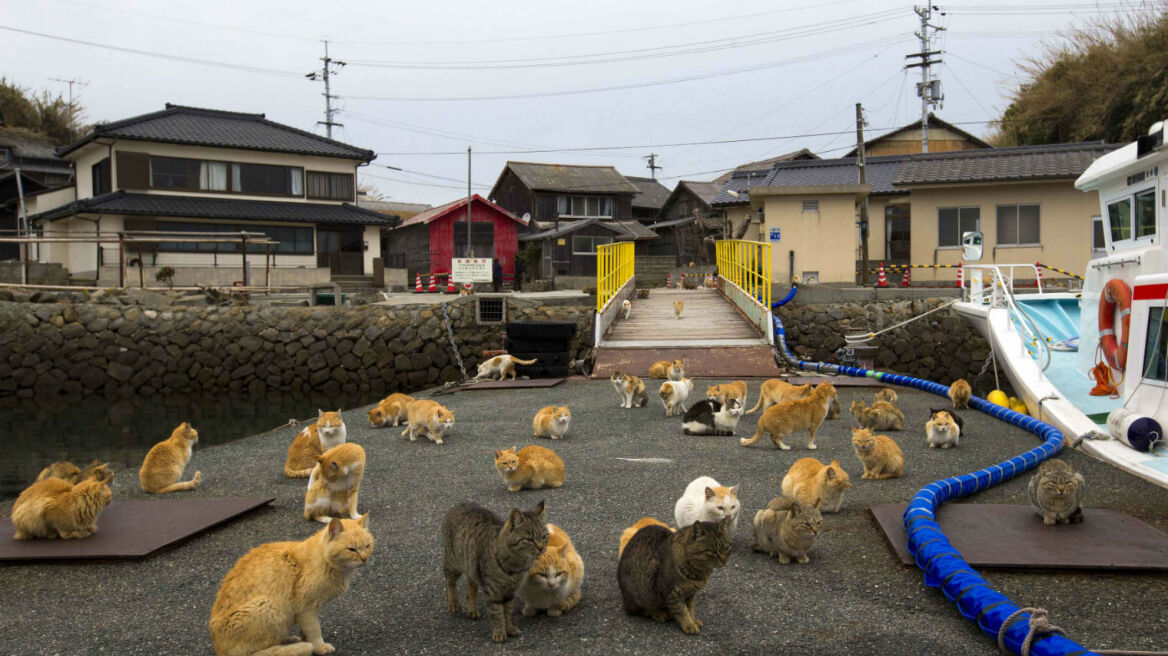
[815,483]
[551,421]
[553,582]
[531,467]
[391,408]
[678,306]
[67,471]
[314,440]
[789,416]
[959,393]
[165,462]
[334,483]
[641,523]
[881,415]
[776,391]
[886,394]
[56,508]
[429,418]
[881,457]
[282,584]
[735,390]
[666,369]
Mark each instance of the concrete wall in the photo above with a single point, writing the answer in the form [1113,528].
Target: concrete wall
[38,273]
[190,276]
[824,241]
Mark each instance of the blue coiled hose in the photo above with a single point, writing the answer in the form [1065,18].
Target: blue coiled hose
[942,564]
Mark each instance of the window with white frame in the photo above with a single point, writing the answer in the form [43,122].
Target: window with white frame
[1098,241]
[586,245]
[1018,225]
[584,206]
[952,222]
[1133,217]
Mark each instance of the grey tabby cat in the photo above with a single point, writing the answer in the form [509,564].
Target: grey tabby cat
[1056,492]
[660,572]
[786,529]
[494,555]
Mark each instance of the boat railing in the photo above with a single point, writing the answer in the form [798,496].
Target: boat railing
[1000,279]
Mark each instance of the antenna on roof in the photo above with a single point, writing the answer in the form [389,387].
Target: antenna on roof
[652,159]
[929,88]
[331,67]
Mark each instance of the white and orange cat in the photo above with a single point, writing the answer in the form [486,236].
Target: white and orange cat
[735,390]
[165,462]
[678,306]
[673,394]
[327,432]
[551,422]
[428,418]
[501,366]
[334,484]
[776,391]
[391,408]
[553,582]
[532,467]
[279,585]
[666,369]
[626,307]
[706,500]
[817,484]
[631,390]
[56,508]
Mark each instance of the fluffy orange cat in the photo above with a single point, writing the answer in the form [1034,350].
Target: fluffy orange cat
[881,415]
[817,484]
[67,471]
[55,508]
[553,582]
[776,391]
[678,306]
[279,585]
[666,369]
[959,393]
[429,418]
[334,483]
[789,416]
[641,523]
[314,440]
[881,457]
[531,467]
[551,421]
[391,408]
[164,464]
[735,390]
[501,365]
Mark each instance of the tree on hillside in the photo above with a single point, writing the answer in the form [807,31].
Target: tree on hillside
[49,115]
[1108,81]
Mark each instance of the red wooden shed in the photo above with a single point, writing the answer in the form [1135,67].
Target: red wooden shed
[429,240]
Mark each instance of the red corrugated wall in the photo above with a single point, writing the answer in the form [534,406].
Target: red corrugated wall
[442,238]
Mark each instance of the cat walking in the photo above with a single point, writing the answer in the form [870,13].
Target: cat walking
[501,366]
[626,307]
[327,432]
[776,391]
[165,462]
[428,418]
[678,306]
[392,408]
[789,416]
[960,392]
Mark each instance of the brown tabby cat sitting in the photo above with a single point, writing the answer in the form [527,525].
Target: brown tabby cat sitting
[495,555]
[786,529]
[661,572]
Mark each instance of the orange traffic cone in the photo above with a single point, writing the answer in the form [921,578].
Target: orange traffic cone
[1038,269]
[959,276]
[881,281]
[433,284]
[450,284]
[668,281]
[906,281]
[418,284]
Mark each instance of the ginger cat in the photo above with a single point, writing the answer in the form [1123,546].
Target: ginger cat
[531,467]
[673,394]
[164,464]
[776,391]
[391,408]
[551,422]
[666,369]
[735,390]
[501,365]
[678,306]
[942,431]
[67,471]
[706,500]
[886,394]
[880,455]
[281,584]
[626,307]
[790,416]
[817,484]
[553,582]
[55,508]
[631,390]
[641,523]
[312,442]
[334,483]
[429,418]
[959,393]
[881,415]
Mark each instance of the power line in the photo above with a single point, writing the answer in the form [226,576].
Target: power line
[411,182]
[429,175]
[330,67]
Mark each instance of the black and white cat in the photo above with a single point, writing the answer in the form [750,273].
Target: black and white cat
[711,417]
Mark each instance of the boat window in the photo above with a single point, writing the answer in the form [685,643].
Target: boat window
[1146,213]
[1156,346]
[1119,216]
[1098,243]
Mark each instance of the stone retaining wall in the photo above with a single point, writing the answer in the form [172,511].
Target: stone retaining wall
[91,348]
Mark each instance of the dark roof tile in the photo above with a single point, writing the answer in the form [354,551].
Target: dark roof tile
[571,178]
[1047,162]
[653,194]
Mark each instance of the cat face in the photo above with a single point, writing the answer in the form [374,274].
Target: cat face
[525,532]
[707,544]
[506,461]
[99,472]
[863,440]
[562,415]
[826,390]
[348,543]
[942,421]
[713,391]
[551,570]
[835,478]
[444,418]
[329,423]
[732,408]
[376,417]
[1058,479]
[721,502]
[806,519]
[617,378]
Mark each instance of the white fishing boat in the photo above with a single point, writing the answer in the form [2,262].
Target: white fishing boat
[1049,343]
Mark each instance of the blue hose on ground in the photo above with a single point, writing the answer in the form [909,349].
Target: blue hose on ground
[790,295]
[944,567]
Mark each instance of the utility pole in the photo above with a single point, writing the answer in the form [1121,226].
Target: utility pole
[929,88]
[469,252]
[72,108]
[652,159]
[323,74]
[863,202]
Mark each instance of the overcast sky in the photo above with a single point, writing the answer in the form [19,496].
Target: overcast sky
[418,73]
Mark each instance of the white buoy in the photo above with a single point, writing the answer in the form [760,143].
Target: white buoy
[1138,431]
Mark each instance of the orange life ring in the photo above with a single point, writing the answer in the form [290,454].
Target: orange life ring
[1115,292]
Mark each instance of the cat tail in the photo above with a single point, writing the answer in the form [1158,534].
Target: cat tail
[297,473]
[781,504]
[753,438]
[518,361]
[192,484]
[569,603]
[756,405]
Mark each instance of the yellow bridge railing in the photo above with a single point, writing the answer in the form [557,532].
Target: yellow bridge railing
[614,268]
[747,264]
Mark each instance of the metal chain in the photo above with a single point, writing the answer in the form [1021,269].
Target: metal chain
[453,346]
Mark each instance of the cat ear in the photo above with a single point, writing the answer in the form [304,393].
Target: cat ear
[497,453]
[830,473]
[335,528]
[363,520]
[697,529]
[338,411]
[319,413]
[734,491]
[334,466]
[724,524]
[516,515]
[540,509]
[710,493]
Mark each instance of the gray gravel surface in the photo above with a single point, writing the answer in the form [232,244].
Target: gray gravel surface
[854,597]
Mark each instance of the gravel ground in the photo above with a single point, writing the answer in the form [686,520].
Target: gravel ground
[854,597]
